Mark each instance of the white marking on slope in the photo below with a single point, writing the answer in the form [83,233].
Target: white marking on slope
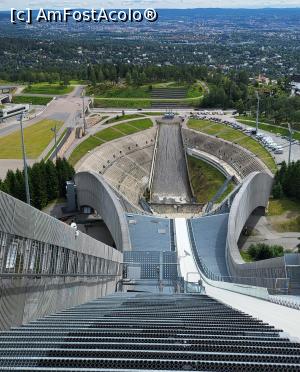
[188,267]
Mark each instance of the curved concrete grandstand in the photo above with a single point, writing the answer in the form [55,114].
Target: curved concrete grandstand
[125,164]
[239,159]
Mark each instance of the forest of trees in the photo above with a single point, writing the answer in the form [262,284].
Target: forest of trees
[287,181]
[98,73]
[231,90]
[47,182]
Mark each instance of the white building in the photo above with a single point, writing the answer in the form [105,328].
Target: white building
[13,110]
[295,85]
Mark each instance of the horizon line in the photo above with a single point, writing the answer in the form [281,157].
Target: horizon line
[158,8]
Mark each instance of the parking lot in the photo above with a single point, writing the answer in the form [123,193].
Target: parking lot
[276,144]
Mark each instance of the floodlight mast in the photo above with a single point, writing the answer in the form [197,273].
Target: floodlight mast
[24,161]
[257,110]
[290,141]
[83,112]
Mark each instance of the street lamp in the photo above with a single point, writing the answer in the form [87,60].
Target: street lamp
[54,130]
[24,161]
[257,110]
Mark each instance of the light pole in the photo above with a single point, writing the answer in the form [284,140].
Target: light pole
[290,139]
[83,113]
[24,161]
[257,110]
[54,130]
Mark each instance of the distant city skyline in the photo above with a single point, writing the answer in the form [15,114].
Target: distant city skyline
[179,4]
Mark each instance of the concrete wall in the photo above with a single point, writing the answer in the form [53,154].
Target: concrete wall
[92,190]
[254,193]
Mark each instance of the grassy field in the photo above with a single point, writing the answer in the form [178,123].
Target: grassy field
[195,91]
[37,137]
[284,214]
[122,103]
[235,136]
[291,225]
[104,91]
[32,100]
[124,96]
[206,180]
[106,135]
[279,206]
[44,88]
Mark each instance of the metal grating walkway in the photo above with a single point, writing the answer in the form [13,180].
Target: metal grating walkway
[129,331]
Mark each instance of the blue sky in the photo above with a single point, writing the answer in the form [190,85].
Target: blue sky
[20,4]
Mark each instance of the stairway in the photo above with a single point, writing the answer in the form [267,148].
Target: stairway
[146,332]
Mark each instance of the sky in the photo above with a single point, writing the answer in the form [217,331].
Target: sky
[124,4]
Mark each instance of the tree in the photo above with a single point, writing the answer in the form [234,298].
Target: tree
[277,191]
[52,181]
[10,182]
[65,172]
[20,186]
[38,177]
[262,251]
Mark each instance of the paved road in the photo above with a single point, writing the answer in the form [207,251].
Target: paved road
[170,181]
[66,108]
[12,164]
[295,153]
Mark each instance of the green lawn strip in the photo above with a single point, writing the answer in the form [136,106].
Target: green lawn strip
[206,180]
[123,117]
[83,148]
[279,206]
[33,100]
[246,256]
[230,188]
[233,135]
[106,135]
[37,137]
[262,120]
[44,88]
[58,142]
[141,124]
[153,113]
